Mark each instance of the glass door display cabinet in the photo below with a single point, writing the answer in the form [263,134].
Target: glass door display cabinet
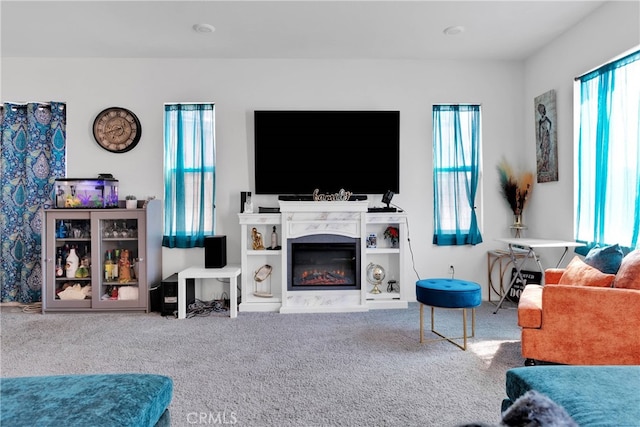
[119,285]
[101,259]
[68,285]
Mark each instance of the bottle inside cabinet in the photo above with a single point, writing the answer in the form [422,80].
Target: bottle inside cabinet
[72,264]
[85,260]
[72,277]
[59,267]
[120,244]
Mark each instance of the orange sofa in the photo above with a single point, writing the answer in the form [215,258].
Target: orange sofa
[583,316]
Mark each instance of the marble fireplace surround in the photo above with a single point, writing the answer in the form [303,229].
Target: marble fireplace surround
[307,218]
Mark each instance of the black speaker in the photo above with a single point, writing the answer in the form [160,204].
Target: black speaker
[243,198]
[169,294]
[155,298]
[215,251]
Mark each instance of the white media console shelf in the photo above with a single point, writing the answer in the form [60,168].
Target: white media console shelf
[309,218]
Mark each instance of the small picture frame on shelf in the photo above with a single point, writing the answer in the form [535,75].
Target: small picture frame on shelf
[372,240]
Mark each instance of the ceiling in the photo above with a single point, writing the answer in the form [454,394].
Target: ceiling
[495,30]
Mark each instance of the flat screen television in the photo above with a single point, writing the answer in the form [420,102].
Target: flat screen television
[297,152]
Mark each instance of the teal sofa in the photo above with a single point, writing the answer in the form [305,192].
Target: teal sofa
[600,396]
[102,400]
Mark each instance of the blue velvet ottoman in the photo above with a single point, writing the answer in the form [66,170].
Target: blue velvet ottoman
[449,293]
[595,395]
[105,400]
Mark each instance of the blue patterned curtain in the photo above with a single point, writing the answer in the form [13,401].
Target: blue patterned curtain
[456,171]
[32,155]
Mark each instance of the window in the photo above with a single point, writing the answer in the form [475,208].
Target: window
[456,172]
[189,174]
[607,183]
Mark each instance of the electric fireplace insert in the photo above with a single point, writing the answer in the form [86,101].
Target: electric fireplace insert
[323,262]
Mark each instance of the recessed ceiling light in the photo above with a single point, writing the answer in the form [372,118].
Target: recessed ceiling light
[203,28]
[453,31]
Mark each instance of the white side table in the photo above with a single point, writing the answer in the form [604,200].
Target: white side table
[230,272]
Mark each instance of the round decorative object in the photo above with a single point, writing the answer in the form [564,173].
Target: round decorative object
[375,276]
[259,277]
[117,129]
[261,274]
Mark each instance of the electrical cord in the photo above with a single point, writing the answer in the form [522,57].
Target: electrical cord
[228,281]
[413,261]
[35,307]
[201,308]
[396,206]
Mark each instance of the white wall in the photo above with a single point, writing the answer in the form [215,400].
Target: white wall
[505,90]
[603,35]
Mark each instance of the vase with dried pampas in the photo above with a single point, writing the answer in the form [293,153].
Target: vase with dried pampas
[515,188]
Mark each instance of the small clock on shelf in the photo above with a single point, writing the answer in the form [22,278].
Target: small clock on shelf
[117,129]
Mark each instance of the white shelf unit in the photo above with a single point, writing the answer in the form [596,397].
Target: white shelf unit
[252,260]
[391,259]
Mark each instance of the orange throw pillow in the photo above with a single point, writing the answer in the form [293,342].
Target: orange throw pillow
[628,276]
[581,274]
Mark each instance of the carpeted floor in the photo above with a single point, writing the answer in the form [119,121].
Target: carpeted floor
[270,369]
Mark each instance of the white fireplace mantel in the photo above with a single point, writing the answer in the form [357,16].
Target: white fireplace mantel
[312,218]
[306,218]
[323,206]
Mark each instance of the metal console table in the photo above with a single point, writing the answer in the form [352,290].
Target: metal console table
[500,260]
[518,245]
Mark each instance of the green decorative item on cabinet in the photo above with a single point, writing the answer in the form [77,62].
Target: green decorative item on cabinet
[131,202]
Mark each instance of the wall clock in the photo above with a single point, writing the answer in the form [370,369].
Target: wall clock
[117,129]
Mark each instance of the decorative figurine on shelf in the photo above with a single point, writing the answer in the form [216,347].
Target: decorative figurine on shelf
[124,266]
[262,284]
[375,276]
[392,286]
[248,205]
[258,243]
[392,234]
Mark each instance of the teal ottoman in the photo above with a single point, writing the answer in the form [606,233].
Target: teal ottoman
[594,395]
[102,400]
[451,294]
